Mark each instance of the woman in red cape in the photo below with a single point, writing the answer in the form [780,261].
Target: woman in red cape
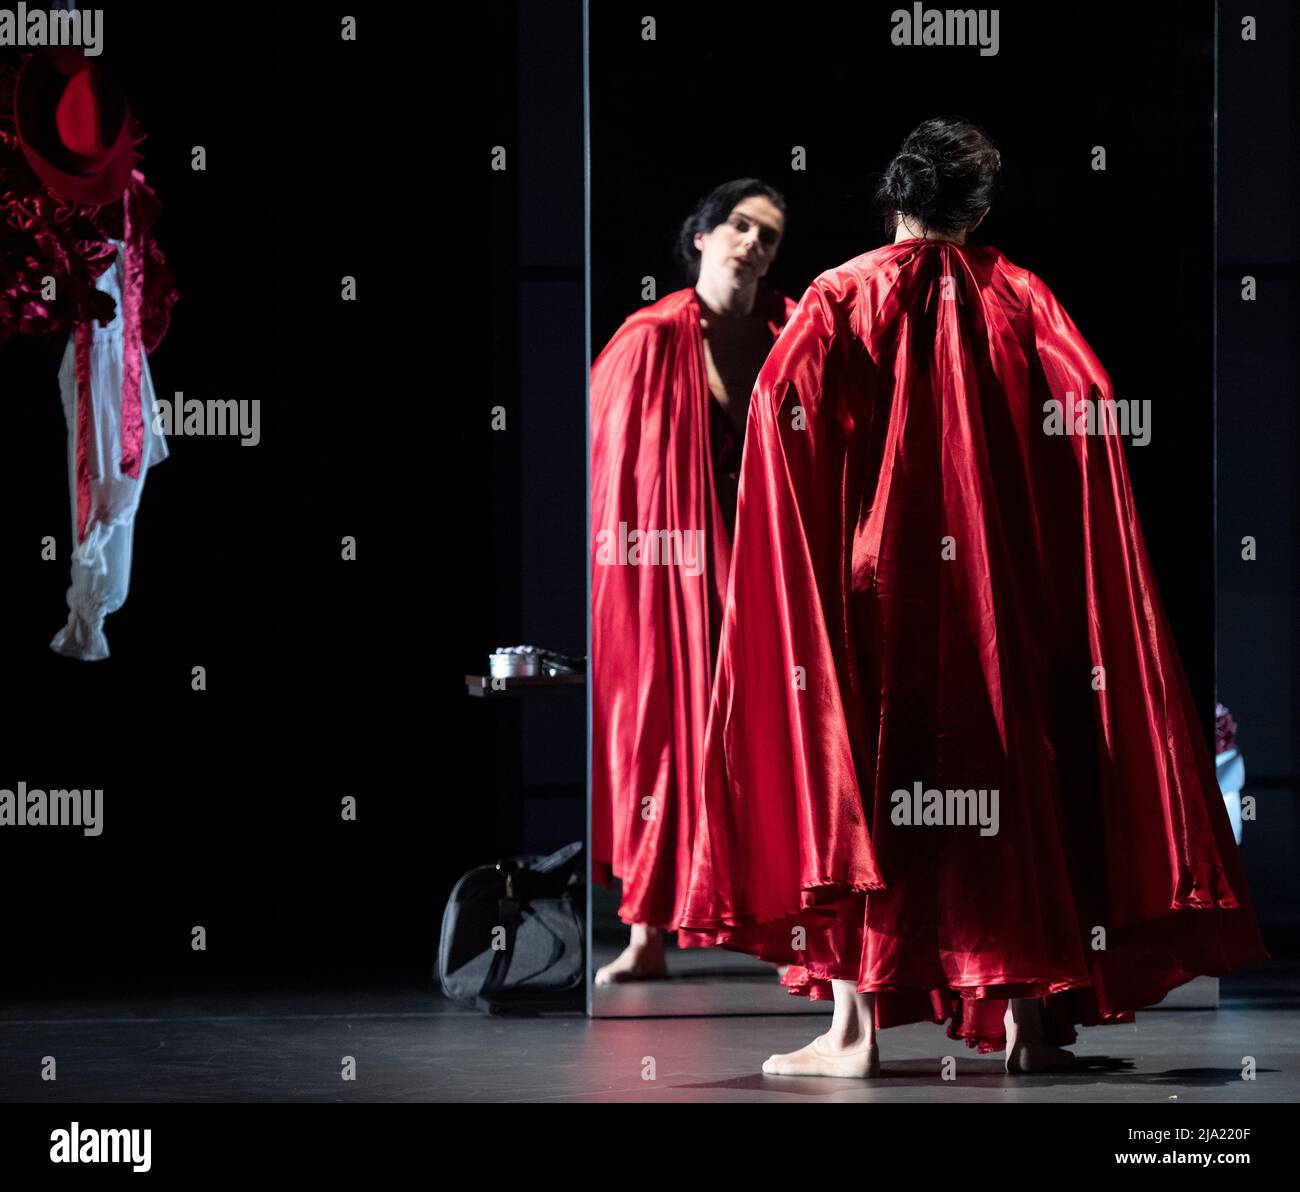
[933,593]
[669,398]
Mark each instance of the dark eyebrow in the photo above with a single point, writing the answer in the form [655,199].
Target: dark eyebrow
[745,215]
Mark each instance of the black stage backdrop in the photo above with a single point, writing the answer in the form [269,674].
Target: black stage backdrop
[325,678]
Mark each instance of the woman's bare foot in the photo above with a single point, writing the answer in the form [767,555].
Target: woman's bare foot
[641,960]
[848,1049]
[823,1058]
[1026,1051]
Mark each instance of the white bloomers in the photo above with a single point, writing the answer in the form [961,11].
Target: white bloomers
[101,564]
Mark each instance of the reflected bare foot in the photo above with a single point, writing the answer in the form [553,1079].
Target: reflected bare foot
[1038,1057]
[1026,1051]
[641,960]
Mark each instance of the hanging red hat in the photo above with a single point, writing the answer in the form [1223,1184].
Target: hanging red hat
[74,126]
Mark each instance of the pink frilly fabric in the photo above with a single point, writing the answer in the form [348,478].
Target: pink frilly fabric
[43,235]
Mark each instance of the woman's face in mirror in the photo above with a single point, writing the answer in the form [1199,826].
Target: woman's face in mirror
[742,248]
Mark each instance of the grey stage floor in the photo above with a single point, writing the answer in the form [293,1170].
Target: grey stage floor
[409,1045]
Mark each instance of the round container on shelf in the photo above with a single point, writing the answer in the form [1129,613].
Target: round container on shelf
[508,665]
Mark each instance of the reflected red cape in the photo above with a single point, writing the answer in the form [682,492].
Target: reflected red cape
[654,628]
[923,583]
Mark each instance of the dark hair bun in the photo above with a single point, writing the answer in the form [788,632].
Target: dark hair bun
[944,175]
[911,184]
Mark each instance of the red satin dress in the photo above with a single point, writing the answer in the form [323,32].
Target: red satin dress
[661,454]
[928,588]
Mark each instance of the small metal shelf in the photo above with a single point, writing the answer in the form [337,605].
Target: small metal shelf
[481,685]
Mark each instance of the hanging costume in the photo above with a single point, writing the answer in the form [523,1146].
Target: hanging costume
[659,455]
[930,593]
[74,210]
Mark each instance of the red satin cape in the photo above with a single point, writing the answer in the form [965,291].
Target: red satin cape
[924,582]
[654,628]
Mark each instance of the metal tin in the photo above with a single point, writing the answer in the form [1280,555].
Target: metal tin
[510,665]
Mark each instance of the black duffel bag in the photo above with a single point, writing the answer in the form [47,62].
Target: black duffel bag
[512,934]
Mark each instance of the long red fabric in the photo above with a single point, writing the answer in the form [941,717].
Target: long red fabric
[139,208]
[654,625]
[930,589]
